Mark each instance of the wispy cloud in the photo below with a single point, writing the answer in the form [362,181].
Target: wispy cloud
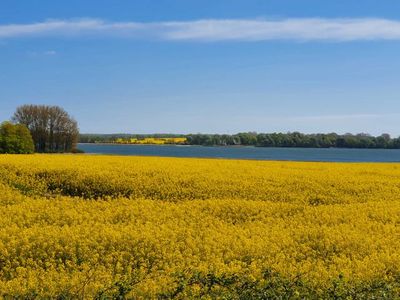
[361,117]
[343,117]
[42,53]
[301,29]
[50,52]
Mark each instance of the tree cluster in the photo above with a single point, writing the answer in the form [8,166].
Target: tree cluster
[51,127]
[296,139]
[15,139]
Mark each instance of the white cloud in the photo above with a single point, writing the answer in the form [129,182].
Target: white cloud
[302,29]
[342,117]
[320,119]
[42,53]
[50,52]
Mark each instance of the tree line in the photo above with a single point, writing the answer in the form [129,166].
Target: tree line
[297,139]
[292,139]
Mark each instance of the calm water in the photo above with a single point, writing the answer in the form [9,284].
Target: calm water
[297,154]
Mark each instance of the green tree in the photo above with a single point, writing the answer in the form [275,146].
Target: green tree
[15,139]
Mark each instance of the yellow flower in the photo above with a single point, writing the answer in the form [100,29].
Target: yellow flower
[146,227]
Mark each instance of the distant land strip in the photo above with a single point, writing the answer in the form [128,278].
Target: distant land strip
[291,139]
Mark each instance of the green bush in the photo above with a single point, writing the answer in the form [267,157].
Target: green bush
[15,139]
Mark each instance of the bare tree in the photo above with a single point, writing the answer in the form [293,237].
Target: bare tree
[52,128]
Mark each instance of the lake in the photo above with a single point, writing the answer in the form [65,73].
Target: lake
[258,153]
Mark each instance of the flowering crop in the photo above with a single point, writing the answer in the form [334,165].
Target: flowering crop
[140,227]
[153,141]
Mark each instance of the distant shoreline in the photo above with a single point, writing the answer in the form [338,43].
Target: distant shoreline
[240,146]
[127,144]
[177,145]
[269,140]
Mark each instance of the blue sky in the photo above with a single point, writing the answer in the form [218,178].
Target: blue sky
[216,66]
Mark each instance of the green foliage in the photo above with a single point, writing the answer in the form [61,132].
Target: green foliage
[274,285]
[15,139]
[296,139]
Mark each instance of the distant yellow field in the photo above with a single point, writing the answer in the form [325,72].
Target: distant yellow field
[154,141]
[140,227]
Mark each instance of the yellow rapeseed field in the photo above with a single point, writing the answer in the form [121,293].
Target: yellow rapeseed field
[152,141]
[80,226]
